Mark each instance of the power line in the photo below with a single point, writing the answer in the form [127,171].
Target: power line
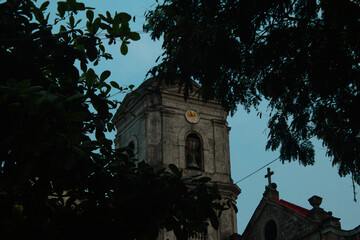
[257,170]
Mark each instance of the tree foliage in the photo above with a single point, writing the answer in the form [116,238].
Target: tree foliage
[55,181]
[300,55]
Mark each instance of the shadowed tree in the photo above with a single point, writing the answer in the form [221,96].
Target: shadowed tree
[302,56]
[55,181]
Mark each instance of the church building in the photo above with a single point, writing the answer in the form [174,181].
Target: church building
[162,128]
[277,219]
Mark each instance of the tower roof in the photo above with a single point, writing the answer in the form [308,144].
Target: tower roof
[154,84]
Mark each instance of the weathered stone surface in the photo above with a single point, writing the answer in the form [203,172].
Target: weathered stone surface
[159,127]
[293,222]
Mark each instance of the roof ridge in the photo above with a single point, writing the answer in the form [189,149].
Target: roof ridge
[300,210]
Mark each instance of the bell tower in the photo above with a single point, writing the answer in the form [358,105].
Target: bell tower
[162,128]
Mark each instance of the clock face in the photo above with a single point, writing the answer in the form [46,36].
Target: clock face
[192,116]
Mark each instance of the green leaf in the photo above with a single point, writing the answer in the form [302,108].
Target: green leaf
[71,21]
[105,26]
[124,17]
[18,208]
[79,7]
[62,28]
[44,6]
[23,84]
[124,48]
[90,77]
[214,220]
[97,24]
[32,89]
[102,48]
[110,126]
[202,180]
[38,100]
[91,52]
[52,98]
[120,19]
[134,36]
[47,17]
[39,16]
[102,17]
[104,75]
[77,22]
[114,84]
[83,65]
[108,16]
[99,134]
[90,15]
[74,97]
[175,170]
[61,8]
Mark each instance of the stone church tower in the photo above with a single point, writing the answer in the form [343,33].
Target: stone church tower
[165,129]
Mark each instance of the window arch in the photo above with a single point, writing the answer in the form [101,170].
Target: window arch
[270,230]
[131,149]
[193,151]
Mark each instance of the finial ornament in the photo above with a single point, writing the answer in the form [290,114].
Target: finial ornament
[268,176]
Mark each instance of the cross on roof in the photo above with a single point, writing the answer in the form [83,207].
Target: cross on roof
[268,175]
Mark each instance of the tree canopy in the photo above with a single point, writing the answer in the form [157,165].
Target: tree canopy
[302,56]
[55,181]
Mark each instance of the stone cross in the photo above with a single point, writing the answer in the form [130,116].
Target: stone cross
[268,175]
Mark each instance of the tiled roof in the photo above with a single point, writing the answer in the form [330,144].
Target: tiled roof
[300,210]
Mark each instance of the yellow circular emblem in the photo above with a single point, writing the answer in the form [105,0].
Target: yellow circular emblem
[192,116]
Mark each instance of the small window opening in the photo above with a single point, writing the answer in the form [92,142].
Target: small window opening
[271,230]
[131,149]
[193,152]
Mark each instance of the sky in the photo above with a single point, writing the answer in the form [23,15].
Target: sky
[248,136]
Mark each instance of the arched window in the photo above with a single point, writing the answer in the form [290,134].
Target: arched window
[193,151]
[131,149]
[270,230]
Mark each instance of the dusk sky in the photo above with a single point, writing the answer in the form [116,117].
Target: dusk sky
[248,136]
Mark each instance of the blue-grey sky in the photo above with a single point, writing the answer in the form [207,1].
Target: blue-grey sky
[248,136]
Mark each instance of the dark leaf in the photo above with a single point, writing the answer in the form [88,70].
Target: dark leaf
[61,8]
[175,170]
[90,15]
[44,5]
[124,48]
[115,85]
[104,75]
[134,36]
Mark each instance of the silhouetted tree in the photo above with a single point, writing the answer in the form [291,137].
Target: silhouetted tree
[55,181]
[300,55]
